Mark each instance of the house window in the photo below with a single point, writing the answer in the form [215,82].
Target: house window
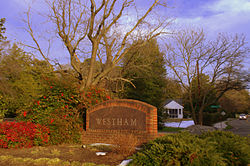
[173,113]
[180,111]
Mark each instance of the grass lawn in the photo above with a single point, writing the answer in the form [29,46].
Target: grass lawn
[228,126]
[171,129]
[177,120]
[61,155]
[19,161]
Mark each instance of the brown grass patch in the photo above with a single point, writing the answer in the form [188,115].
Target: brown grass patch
[66,153]
[125,144]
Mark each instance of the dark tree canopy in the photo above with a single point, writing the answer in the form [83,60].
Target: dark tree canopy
[145,67]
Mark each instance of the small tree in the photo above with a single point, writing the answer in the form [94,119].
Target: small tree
[205,68]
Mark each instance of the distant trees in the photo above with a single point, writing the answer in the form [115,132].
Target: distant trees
[20,79]
[2,29]
[3,41]
[206,69]
[235,102]
[3,108]
[101,31]
[173,89]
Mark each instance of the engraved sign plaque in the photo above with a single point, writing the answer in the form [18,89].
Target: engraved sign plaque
[117,118]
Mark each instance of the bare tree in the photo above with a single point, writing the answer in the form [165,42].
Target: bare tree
[192,57]
[102,28]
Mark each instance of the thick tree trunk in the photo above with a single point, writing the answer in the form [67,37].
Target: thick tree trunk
[194,118]
[92,66]
[193,113]
[200,117]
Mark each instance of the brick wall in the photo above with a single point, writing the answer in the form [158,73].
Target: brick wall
[107,135]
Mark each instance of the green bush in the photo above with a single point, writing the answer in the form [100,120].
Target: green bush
[211,118]
[178,149]
[62,109]
[234,148]
[57,109]
[3,109]
[211,148]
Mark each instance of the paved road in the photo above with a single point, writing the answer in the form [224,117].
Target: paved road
[240,127]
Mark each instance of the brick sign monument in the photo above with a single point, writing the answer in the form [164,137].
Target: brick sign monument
[121,116]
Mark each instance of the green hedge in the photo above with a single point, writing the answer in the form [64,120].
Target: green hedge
[211,118]
[213,148]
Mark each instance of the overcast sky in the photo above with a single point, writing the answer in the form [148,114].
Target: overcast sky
[231,16]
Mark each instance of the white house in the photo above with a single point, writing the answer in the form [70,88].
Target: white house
[174,108]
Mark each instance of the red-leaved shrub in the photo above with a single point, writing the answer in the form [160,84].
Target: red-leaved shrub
[92,96]
[22,134]
[63,110]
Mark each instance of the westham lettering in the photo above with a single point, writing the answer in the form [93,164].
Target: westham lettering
[116,121]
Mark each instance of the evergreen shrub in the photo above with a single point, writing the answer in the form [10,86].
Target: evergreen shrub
[211,148]
[178,149]
[234,148]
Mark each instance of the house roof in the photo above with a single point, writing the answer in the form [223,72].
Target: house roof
[173,104]
[179,101]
